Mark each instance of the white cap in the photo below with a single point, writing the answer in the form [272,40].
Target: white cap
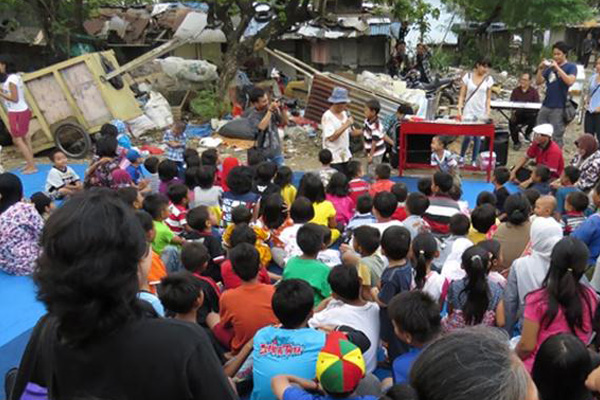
[544,129]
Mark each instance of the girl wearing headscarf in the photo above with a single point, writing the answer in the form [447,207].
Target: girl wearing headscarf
[20,228]
[587,160]
[229,163]
[527,273]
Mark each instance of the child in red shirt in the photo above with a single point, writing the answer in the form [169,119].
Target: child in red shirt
[357,186]
[401,192]
[178,202]
[241,234]
[383,182]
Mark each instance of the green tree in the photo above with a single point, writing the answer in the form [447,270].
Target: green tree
[413,12]
[520,13]
[234,16]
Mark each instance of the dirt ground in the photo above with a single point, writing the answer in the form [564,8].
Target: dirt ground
[301,151]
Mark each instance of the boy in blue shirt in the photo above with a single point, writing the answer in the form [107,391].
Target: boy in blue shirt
[417,322]
[293,347]
[541,180]
[339,369]
[569,177]
[396,278]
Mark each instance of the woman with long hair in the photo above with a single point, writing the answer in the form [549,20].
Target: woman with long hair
[96,341]
[562,305]
[20,228]
[474,300]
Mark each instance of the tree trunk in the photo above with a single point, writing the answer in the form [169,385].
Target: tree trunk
[229,67]
[78,15]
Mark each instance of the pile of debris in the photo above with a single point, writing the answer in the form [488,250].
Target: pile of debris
[143,25]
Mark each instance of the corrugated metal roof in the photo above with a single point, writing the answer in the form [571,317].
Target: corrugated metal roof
[380,29]
[321,89]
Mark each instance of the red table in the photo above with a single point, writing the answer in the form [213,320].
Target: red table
[442,129]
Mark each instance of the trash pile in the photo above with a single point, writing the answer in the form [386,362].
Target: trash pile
[393,87]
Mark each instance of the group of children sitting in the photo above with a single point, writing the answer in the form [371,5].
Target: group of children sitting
[271,271]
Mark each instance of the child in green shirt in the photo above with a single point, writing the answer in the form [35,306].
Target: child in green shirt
[306,267]
[157,205]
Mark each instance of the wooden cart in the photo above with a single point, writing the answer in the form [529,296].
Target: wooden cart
[70,101]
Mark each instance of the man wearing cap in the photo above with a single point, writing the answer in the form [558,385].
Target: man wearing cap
[545,152]
[265,118]
[336,124]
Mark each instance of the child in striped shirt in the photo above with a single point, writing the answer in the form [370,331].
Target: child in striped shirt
[575,205]
[178,202]
[373,135]
[444,160]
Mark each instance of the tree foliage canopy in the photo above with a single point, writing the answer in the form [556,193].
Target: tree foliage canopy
[516,13]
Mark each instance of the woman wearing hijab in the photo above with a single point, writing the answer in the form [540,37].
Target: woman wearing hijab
[229,163]
[527,273]
[20,228]
[587,160]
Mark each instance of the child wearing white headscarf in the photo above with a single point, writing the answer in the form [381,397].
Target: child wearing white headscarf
[528,272]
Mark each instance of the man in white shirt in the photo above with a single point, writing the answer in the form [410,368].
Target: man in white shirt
[336,124]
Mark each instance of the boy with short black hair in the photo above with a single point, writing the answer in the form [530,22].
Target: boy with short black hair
[151,165]
[301,212]
[326,171]
[482,219]
[541,180]
[575,206]
[373,135]
[392,134]
[424,186]
[157,205]
[417,322]
[243,233]
[175,139]
[131,196]
[363,255]
[499,179]
[458,229]
[568,179]
[251,295]
[182,294]
[200,223]
[397,277]
[306,266]
[384,206]
[416,206]
[442,207]
[292,304]
[382,183]
[401,192]
[357,186]
[263,179]
[179,200]
[195,257]
[347,308]
[364,213]
[62,181]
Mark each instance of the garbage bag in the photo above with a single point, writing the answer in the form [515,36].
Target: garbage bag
[190,70]
[239,128]
[159,110]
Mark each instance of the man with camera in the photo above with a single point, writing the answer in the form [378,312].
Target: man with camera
[265,118]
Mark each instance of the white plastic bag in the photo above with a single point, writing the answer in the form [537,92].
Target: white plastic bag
[159,110]
[140,125]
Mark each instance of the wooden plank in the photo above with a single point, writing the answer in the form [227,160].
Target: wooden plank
[79,83]
[39,115]
[69,96]
[50,99]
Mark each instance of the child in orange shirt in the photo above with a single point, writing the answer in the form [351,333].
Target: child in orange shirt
[157,268]
[242,215]
[382,182]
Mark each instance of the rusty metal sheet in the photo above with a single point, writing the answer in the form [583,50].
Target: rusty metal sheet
[321,89]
